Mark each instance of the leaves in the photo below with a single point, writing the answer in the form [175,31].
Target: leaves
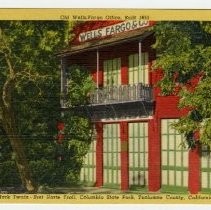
[184,55]
[78,129]
[79,85]
[30,47]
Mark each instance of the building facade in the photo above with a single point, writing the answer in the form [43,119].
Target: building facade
[135,147]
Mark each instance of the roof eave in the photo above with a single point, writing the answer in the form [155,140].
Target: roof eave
[102,43]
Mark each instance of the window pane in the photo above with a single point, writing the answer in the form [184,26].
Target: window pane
[138,74]
[112,72]
[174,157]
[138,153]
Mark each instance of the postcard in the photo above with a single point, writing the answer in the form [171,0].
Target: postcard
[105,106]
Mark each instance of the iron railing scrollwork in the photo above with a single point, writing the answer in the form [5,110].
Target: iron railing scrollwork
[121,93]
[118,94]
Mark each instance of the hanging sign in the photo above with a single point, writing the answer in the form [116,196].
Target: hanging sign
[113,30]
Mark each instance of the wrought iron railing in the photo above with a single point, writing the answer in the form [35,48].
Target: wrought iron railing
[117,94]
[121,93]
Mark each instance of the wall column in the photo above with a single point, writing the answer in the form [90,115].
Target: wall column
[99,154]
[124,156]
[154,160]
[194,183]
[124,70]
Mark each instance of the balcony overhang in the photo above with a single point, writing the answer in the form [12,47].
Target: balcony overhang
[127,110]
[124,101]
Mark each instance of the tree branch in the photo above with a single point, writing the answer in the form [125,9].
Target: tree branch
[1,109]
[1,113]
[5,99]
[28,75]
[11,70]
[6,92]
[6,51]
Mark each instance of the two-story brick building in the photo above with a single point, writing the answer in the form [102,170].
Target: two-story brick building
[135,146]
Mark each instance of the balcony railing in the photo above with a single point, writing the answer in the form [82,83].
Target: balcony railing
[118,94]
[121,94]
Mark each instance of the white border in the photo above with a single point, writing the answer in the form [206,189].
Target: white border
[145,4]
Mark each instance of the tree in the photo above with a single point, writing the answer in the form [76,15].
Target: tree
[184,52]
[28,66]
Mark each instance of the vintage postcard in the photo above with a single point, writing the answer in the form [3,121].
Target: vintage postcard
[105,106]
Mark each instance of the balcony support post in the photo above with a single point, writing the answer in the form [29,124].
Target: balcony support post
[97,80]
[139,54]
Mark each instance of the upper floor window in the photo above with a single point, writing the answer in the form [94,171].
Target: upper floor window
[138,72]
[112,72]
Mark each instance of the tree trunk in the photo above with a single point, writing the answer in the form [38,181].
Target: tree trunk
[9,126]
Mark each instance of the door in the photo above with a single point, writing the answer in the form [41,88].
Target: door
[206,168]
[138,155]
[174,158]
[111,155]
[88,171]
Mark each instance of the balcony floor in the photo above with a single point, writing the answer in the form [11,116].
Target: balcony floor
[117,110]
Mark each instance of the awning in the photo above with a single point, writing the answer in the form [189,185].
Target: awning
[124,37]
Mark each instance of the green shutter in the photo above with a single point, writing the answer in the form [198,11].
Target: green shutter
[138,155]
[174,158]
[111,155]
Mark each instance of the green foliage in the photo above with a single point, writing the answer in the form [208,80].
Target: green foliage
[8,171]
[80,84]
[184,50]
[30,47]
[78,130]
[9,174]
[77,127]
[77,151]
[42,170]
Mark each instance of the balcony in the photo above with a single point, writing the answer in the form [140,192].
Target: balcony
[121,94]
[118,102]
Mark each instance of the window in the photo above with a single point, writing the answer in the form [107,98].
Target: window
[138,154]
[138,74]
[174,157]
[112,72]
[88,171]
[206,167]
[111,155]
